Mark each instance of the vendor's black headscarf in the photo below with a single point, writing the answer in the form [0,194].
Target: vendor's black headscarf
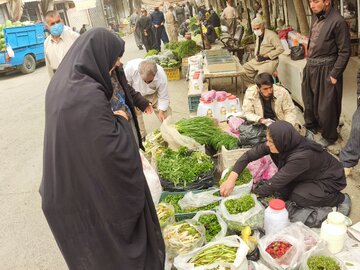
[287,140]
[94,192]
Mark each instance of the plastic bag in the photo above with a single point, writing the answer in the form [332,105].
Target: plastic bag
[240,263]
[297,52]
[222,223]
[250,241]
[166,214]
[320,250]
[302,239]
[196,200]
[262,169]
[183,237]
[239,190]
[235,123]
[257,266]
[174,138]
[152,179]
[251,134]
[253,217]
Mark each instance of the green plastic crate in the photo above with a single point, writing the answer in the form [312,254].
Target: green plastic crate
[193,102]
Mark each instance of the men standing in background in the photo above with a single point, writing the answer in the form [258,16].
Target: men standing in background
[328,55]
[59,41]
[137,32]
[144,26]
[83,29]
[229,15]
[171,24]
[158,21]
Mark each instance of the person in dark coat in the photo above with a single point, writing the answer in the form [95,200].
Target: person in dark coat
[308,175]
[214,19]
[322,86]
[145,27]
[158,21]
[94,192]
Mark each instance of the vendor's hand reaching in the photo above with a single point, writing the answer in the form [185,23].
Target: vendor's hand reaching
[121,113]
[228,186]
[149,109]
[161,116]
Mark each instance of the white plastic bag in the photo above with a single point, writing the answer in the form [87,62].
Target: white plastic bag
[199,199]
[174,138]
[152,179]
[239,190]
[222,223]
[257,266]
[302,239]
[240,263]
[253,217]
[166,214]
[178,240]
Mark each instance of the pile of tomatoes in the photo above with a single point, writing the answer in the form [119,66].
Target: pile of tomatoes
[278,248]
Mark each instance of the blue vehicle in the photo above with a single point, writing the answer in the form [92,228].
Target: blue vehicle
[27,43]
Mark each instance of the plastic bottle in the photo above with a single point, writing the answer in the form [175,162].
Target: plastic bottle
[333,231]
[205,108]
[220,109]
[276,216]
[233,104]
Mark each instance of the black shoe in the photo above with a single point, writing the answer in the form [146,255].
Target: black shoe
[140,47]
[345,207]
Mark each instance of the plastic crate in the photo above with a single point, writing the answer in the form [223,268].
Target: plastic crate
[173,74]
[193,102]
[181,216]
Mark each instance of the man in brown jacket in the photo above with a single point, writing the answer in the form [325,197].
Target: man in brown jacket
[267,50]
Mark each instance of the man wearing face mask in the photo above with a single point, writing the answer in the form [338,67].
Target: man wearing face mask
[328,55]
[266,102]
[58,42]
[267,50]
[149,79]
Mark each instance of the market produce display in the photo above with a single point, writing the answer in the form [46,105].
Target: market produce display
[211,224]
[277,249]
[165,214]
[154,144]
[205,131]
[182,167]
[215,253]
[9,24]
[173,200]
[184,236]
[322,263]
[240,205]
[243,178]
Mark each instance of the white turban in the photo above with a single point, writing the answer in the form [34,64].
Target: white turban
[257,21]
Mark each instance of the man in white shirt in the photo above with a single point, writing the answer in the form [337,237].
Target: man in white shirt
[58,42]
[149,79]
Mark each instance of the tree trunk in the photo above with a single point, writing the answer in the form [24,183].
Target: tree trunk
[247,16]
[301,16]
[275,12]
[286,15]
[266,13]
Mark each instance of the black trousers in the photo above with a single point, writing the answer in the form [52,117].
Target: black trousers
[322,100]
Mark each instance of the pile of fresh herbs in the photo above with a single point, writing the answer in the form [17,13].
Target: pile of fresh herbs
[215,253]
[240,205]
[211,224]
[204,130]
[182,167]
[322,263]
[244,177]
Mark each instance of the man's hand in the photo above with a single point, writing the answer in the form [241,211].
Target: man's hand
[261,58]
[228,186]
[333,81]
[161,116]
[121,113]
[149,109]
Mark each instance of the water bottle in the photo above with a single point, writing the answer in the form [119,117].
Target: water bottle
[276,216]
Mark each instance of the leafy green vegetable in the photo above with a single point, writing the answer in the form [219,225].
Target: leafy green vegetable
[151,52]
[182,167]
[172,45]
[204,130]
[174,199]
[186,48]
[322,263]
[240,205]
[215,253]
[243,178]
[211,224]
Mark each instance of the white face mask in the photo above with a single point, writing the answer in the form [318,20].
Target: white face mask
[258,32]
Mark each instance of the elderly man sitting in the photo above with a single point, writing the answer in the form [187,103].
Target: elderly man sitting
[266,102]
[268,47]
[149,79]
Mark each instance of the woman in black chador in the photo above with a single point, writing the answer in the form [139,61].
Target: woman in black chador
[94,193]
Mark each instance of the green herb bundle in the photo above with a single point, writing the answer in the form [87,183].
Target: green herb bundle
[151,52]
[203,129]
[244,177]
[211,224]
[322,263]
[182,167]
[215,253]
[165,214]
[240,205]
[174,199]
[186,48]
